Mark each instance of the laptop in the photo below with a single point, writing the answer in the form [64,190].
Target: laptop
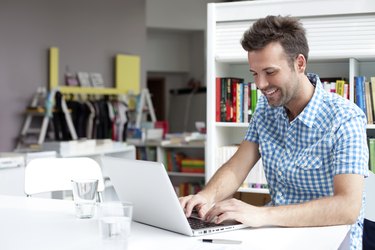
[146,184]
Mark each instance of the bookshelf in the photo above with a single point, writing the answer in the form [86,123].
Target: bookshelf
[189,182]
[340,34]
[159,151]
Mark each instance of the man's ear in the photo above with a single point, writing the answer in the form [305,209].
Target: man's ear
[300,63]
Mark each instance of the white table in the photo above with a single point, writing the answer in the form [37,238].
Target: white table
[36,223]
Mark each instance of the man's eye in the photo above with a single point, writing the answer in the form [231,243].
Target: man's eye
[270,72]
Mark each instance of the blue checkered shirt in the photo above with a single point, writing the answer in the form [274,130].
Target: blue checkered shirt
[301,157]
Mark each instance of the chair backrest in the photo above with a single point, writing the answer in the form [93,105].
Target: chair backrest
[370,196]
[55,174]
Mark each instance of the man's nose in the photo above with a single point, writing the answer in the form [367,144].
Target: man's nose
[262,83]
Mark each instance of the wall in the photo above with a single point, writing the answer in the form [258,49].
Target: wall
[88,32]
[176,46]
[177,14]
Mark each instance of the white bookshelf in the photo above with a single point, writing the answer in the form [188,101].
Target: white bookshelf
[341,35]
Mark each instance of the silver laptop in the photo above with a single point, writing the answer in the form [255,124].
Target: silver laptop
[146,184]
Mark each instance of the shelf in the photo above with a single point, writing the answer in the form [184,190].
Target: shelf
[254,190]
[198,175]
[89,90]
[232,124]
[370,126]
[192,145]
[117,147]
[140,143]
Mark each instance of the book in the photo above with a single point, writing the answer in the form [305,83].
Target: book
[97,80]
[223,100]
[332,87]
[346,91]
[359,90]
[246,100]
[71,79]
[84,79]
[372,154]
[234,101]
[368,103]
[218,99]
[372,88]
[228,101]
[239,102]
[228,98]
[254,96]
[340,87]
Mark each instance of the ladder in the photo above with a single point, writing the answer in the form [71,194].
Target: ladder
[145,103]
[41,109]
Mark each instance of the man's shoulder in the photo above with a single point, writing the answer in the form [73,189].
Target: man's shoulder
[339,109]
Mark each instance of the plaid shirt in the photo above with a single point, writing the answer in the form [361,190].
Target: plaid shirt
[301,157]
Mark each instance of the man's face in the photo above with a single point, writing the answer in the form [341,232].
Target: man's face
[273,75]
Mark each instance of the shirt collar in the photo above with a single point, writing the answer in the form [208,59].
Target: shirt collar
[308,114]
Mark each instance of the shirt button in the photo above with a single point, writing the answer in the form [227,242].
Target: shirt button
[280,173]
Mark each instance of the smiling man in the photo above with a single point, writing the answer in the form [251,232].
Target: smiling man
[312,143]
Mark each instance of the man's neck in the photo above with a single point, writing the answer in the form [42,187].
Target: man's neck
[303,97]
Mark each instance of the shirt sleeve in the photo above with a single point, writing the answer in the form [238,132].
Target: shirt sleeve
[351,154]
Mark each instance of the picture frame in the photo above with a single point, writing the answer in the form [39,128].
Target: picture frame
[96,80]
[84,79]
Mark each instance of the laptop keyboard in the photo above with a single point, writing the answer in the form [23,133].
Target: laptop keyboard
[199,224]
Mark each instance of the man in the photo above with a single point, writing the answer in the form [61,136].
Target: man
[312,143]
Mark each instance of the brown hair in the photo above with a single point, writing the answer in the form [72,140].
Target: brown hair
[288,31]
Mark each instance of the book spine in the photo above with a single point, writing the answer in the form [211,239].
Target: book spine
[239,102]
[234,100]
[346,91]
[254,97]
[332,87]
[218,99]
[372,154]
[245,102]
[340,87]
[368,102]
[228,103]
[223,107]
[372,87]
[359,85]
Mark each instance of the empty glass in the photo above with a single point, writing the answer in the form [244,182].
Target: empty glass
[114,224]
[84,195]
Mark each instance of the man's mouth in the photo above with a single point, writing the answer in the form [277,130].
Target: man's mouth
[270,92]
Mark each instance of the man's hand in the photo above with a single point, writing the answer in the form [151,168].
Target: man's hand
[198,201]
[233,209]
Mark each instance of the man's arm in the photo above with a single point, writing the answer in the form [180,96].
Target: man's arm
[225,181]
[341,208]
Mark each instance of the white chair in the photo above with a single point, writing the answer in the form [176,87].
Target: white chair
[55,174]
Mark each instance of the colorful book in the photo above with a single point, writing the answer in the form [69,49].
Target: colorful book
[368,103]
[340,87]
[218,99]
[359,90]
[246,100]
[346,91]
[223,100]
[234,101]
[372,154]
[372,87]
[254,96]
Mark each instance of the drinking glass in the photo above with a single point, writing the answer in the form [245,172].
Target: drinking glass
[114,224]
[84,196]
